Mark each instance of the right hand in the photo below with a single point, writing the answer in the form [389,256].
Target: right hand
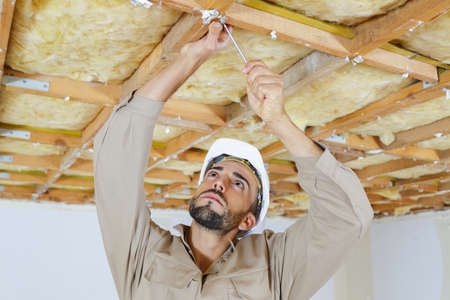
[215,40]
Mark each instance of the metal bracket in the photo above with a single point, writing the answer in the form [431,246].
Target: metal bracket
[428,84]
[26,83]
[21,134]
[336,139]
[5,175]
[6,158]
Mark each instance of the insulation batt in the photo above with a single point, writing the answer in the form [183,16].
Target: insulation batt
[19,168]
[431,39]
[220,79]
[415,172]
[90,40]
[370,160]
[163,133]
[45,112]
[416,115]
[340,93]
[438,143]
[187,167]
[251,132]
[28,148]
[158,181]
[341,11]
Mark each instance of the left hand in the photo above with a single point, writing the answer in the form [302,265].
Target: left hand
[265,92]
[214,41]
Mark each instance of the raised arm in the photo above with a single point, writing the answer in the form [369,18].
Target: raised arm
[122,149]
[311,250]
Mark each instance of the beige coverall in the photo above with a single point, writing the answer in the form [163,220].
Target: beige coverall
[147,262]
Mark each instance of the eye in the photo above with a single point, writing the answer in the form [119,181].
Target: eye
[212,174]
[239,184]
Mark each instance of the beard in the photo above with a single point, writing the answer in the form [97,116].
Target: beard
[211,220]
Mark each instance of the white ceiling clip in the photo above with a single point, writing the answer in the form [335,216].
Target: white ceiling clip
[208,15]
[141,3]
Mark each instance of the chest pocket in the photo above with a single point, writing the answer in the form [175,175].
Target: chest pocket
[253,285]
[166,276]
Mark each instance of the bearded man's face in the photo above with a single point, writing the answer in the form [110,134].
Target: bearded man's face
[224,197]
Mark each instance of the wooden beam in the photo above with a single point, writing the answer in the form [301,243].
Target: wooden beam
[294,32]
[285,187]
[186,124]
[192,111]
[396,63]
[67,196]
[409,96]
[33,161]
[420,133]
[167,174]
[65,88]
[38,136]
[378,31]
[7,13]
[422,179]
[22,177]
[388,167]
[76,181]
[91,130]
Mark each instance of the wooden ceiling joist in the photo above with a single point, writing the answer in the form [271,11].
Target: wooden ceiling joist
[390,166]
[38,136]
[421,133]
[380,30]
[7,13]
[409,96]
[33,161]
[65,88]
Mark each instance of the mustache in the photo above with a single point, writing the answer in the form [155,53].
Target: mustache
[218,193]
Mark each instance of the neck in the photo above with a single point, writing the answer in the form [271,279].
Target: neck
[206,245]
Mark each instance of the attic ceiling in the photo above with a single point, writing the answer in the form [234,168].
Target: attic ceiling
[367,78]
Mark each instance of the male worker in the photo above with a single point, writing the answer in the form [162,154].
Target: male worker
[214,258]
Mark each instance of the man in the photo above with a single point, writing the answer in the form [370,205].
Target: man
[215,258]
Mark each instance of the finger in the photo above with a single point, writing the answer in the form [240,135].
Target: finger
[251,64]
[262,71]
[215,29]
[264,79]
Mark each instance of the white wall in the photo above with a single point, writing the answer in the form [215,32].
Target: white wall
[55,252]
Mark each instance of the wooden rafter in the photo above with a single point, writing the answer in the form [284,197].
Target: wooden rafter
[390,166]
[7,13]
[421,133]
[65,88]
[378,31]
[409,96]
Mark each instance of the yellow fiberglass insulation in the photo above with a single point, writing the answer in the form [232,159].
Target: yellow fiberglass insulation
[301,200]
[391,194]
[398,211]
[415,172]
[359,164]
[430,39]
[341,11]
[20,168]
[158,181]
[340,93]
[187,167]
[220,79]
[251,133]
[28,148]
[163,133]
[438,143]
[46,112]
[86,40]
[416,115]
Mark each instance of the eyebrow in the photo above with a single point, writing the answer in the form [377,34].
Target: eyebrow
[234,173]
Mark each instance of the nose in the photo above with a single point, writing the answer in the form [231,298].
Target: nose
[219,186]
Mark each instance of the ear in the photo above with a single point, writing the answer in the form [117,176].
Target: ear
[248,222]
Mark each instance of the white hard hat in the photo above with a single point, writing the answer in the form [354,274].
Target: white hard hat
[246,151]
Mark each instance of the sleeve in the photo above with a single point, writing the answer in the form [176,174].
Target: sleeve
[313,248]
[122,149]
